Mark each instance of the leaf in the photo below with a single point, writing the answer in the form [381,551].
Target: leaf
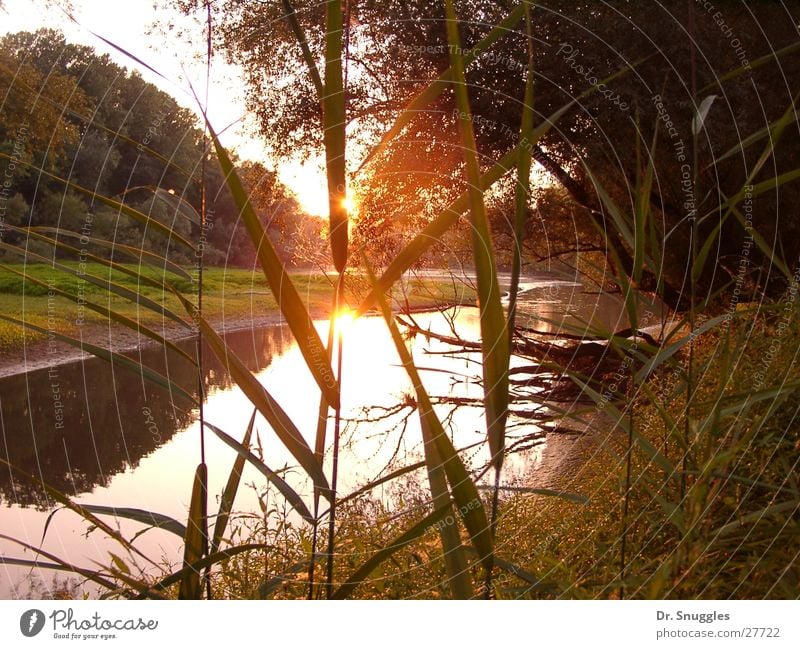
[231,487]
[537,584]
[744,400]
[108,313]
[667,352]
[281,285]
[566,495]
[769,132]
[120,563]
[291,17]
[266,588]
[652,453]
[522,188]
[177,204]
[433,232]
[206,562]
[757,516]
[57,564]
[394,475]
[80,510]
[137,254]
[494,334]
[153,519]
[465,494]
[195,542]
[641,214]
[618,217]
[113,204]
[245,454]
[773,56]
[700,115]
[438,85]
[334,122]
[111,287]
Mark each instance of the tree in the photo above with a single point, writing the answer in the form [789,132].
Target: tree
[91,122]
[675,50]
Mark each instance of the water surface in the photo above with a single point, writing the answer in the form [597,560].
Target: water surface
[104,436]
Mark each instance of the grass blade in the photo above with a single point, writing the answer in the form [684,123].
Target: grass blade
[118,359]
[433,232]
[334,121]
[438,85]
[522,188]
[245,454]
[124,320]
[231,487]
[277,418]
[153,519]
[407,537]
[110,202]
[281,285]
[138,254]
[111,287]
[494,334]
[206,562]
[195,542]
[291,17]
[58,564]
[80,510]
[464,491]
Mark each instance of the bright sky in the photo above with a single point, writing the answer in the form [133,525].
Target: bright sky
[126,23]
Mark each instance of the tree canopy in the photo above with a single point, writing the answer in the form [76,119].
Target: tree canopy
[78,116]
[637,73]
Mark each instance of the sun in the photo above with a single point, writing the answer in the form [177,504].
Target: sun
[344,320]
[349,203]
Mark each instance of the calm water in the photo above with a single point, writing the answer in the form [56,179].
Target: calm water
[120,441]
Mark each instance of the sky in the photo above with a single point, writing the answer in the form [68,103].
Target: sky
[128,24]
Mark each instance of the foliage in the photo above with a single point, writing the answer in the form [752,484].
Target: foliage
[665,75]
[105,128]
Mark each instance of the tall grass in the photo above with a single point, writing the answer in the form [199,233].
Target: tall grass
[700,451]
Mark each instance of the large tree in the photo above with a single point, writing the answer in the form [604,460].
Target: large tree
[676,50]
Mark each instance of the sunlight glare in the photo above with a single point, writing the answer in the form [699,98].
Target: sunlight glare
[344,320]
[350,205]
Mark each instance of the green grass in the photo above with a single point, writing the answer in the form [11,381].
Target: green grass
[229,294]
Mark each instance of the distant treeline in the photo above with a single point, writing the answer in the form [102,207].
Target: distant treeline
[69,114]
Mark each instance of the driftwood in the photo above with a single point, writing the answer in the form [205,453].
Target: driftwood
[555,360]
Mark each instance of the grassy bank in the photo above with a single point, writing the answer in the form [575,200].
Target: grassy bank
[712,501]
[230,295]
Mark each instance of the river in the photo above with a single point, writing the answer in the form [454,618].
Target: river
[105,437]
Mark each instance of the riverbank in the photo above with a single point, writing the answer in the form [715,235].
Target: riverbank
[233,300]
[699,506]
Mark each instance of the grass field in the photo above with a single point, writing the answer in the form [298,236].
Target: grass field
[229,294]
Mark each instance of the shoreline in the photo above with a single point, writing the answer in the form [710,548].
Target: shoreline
[42,353]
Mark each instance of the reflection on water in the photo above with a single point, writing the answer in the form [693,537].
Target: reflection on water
[78,424]
[100,434]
